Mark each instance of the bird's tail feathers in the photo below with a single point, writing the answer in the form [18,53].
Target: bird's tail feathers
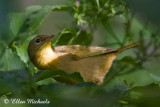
[128,46]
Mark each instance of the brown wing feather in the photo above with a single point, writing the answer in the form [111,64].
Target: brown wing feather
[79,52]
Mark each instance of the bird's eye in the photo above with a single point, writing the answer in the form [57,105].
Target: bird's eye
[38,40]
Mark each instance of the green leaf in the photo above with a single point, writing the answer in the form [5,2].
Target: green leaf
[47,74]
[32,9]
[22,53]
[3,47]
[13,82]
[64,37]
[128,79]
[61,7]
[98,5]
[82,38]
[5,88]
[37,17]
[16,22]
[25,24]
[10,61]
[128,60]
[137,78]
[154,71]
[155,77]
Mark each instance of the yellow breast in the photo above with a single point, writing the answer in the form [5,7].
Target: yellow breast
[46,58]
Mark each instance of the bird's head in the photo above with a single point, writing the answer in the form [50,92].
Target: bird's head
[38,43]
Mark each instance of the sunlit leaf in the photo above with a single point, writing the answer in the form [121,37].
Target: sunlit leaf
[33,8]
[155,77]
[137,78]
[61,7]
[22,53]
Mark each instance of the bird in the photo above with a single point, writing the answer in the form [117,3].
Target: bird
[91,62]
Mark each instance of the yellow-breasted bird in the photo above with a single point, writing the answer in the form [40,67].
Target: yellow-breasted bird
[91,62]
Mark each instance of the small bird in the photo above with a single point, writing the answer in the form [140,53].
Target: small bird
[91,62]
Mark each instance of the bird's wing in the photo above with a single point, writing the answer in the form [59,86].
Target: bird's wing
[79,52]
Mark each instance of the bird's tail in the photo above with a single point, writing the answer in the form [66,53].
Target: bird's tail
[128,46]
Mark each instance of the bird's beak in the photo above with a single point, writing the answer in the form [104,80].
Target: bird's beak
[49,38]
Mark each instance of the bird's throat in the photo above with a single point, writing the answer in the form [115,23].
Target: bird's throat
[45,57]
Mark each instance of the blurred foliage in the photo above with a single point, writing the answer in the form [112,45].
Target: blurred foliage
[129,82]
